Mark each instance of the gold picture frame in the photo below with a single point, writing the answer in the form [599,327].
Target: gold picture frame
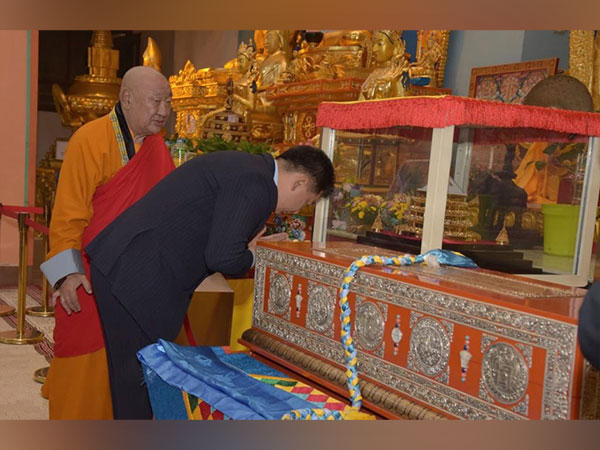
[509,83]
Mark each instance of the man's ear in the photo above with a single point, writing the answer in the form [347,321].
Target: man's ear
[300,181]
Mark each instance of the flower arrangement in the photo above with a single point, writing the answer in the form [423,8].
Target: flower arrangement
[364,208]
[392,211]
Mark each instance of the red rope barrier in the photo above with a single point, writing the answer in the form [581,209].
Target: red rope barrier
[37,226]
[13,212]
[18,209]
[9,214]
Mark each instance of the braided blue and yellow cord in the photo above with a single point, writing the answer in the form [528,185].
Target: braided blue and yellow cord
[345,312]
[313,414]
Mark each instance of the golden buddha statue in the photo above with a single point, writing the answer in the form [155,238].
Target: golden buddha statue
[94,94]
[276,60]
[423,72]
[243,99]
[263,119]
[259,44]
[344,38]
[389,78]
[152,56]
[231,122]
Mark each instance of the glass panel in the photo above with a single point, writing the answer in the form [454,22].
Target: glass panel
[386,159]
[345,162]
[376,173]
[365,166]
[519,211]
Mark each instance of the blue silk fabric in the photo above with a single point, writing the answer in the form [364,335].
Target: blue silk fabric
[200,372]
[450,258]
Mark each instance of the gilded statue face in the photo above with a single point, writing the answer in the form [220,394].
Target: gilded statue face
[383,48]
[243,63]
[272,42]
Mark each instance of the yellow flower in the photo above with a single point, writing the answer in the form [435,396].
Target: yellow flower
[361,215]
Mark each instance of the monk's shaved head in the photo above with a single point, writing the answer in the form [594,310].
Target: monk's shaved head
[145,98]
[141,77]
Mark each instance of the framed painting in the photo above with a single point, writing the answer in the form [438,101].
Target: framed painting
[510,83]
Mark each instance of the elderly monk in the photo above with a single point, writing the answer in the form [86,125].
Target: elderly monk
[109,164]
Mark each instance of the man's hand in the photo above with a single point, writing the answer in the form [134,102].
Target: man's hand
[277,237]
[68,292]
[252,243]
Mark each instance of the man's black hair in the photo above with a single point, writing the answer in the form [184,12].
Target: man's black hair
[314,163]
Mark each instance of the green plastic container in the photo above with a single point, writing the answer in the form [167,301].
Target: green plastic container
[560,228]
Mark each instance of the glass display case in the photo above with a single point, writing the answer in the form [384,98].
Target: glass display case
[514,187]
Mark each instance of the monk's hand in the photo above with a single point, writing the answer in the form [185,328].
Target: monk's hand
[68,292]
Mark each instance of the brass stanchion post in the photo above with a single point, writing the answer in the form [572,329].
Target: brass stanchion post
[45,310]
[41,374]
[6,310]
[20,335]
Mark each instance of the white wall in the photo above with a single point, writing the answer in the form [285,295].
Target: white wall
[541,44]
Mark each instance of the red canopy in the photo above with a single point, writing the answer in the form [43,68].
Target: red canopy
[443,111]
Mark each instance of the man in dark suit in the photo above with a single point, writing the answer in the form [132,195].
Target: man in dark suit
[589,326]
[204,217]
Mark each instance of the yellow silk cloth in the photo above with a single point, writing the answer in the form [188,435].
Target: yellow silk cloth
[541,185]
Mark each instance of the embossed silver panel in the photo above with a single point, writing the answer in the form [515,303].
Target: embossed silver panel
[429,347]
[369,325]
[504,373]
[321,307]
[279,294]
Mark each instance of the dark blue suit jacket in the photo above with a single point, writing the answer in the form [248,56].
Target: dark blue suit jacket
[589,326]
[198,220]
